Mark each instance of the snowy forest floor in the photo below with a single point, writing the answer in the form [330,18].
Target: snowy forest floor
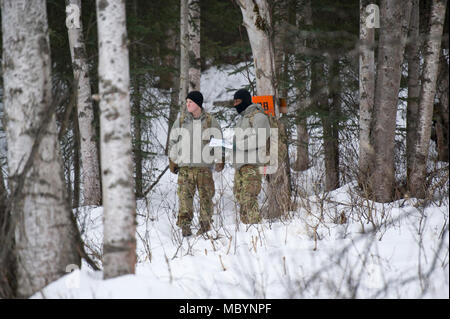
[335,245]
[301,257]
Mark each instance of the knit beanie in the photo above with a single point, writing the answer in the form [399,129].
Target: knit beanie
[196,96]
[246,98]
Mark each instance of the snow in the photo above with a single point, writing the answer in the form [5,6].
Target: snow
[273,260]
[394,250]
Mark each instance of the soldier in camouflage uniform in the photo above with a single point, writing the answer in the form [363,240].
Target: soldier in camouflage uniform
[247,185]
[194,172]
[247,178]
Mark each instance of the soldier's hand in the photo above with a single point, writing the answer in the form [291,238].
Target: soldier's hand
[219,167]
[173,167]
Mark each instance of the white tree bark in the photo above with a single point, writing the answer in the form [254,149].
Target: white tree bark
[366,90]
[184,55]
[45,232]
[432,49]
[89,157]
[194,45]
[258,23]
[119,243]
[390,57]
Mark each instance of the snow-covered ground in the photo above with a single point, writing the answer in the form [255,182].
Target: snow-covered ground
[297,258]
[334,245]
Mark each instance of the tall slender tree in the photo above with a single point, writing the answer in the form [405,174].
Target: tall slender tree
[184,54]
[330,123]
[89,157]
[7,256]
[441,109]
[171,60]
[393,14]
[137,108]
[417,182]
[366,90]
[325,90]
[194,45]
[412,54]
[304,21]
[119,221]
[258,22]
[45,233]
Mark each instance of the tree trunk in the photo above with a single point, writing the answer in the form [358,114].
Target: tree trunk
[119,221]
[7,257]
[184,55]
[366,92]
[304,18]
[282,55]
[417,185]
[390,56]
[194,45]
[89,158]
[76,163]
[45,233]
[319,96]
[442,113]
[258,23]
[171,62]
[281,43]
[331,129]
[137,150]
[137,114]
[412,52]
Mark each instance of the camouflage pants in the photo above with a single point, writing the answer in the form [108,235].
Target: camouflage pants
[190,179]
[247,185]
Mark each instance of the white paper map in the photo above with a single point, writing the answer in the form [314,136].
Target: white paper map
[215,142]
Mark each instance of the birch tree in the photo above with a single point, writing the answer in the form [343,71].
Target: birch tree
[257,21]
[194,45]
[119,243]
[45,233]
[393,14]
[184,55]
[417,185]
[89,156]
[366,89]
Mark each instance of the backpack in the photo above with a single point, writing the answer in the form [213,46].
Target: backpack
[282,138]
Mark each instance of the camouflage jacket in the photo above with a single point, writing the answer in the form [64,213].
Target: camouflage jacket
[247,144]
[188,142]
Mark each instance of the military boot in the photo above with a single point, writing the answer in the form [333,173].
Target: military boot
[244,217]
[186,230]
[204,227]
[253,218]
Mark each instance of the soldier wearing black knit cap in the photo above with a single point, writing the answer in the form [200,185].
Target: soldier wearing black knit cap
[247,179]
[193,174]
